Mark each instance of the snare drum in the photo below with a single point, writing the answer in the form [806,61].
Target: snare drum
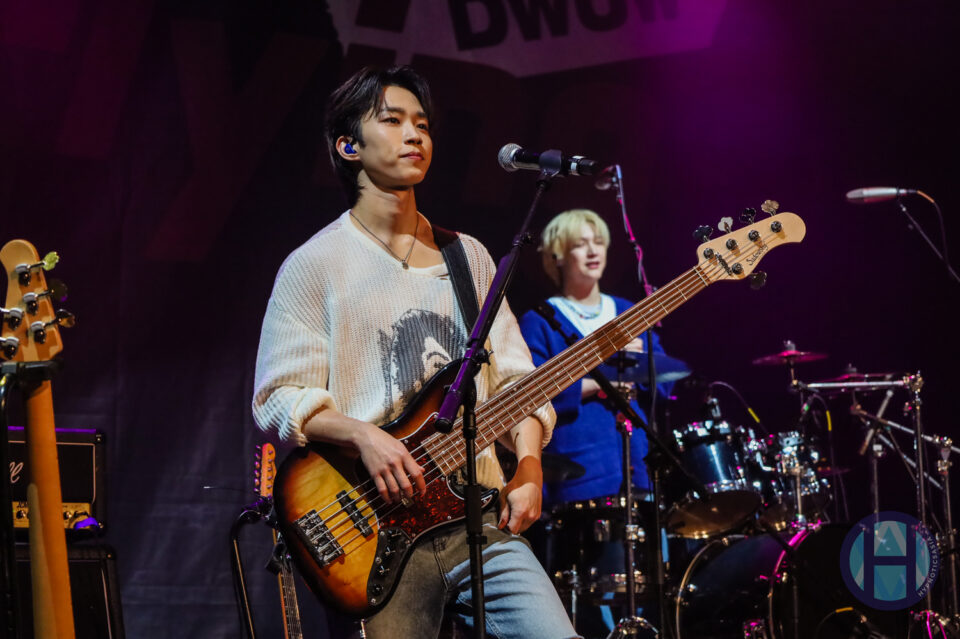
[585,547]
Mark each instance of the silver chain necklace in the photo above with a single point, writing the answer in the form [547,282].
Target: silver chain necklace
[403,260]
[585,312]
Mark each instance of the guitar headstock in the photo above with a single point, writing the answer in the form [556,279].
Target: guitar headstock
[734,256]
[266,469]
[29,325]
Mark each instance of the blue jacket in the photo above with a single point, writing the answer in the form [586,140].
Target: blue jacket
[586,431]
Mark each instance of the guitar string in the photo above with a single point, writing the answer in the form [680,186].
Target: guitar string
[451,455]
[448,455]
[442,448]
[443,453]
[564,365]
[457,455]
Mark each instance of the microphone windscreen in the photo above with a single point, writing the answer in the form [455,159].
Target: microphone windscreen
[505,156]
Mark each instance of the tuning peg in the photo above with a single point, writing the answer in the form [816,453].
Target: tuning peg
[757,280]
[12,316]
[726,224]
[47,263]
[747,215]
[57,292]
[703,233]
[64,318]
[770,206]
[9,346]
[39,332]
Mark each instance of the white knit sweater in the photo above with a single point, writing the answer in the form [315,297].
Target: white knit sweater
[348,328]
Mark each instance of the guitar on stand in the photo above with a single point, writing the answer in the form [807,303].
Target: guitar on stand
[266,472]
[29,341]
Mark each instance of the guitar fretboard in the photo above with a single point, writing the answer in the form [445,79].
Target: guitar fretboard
[503,411]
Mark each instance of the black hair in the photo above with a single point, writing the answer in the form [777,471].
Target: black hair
[350,103]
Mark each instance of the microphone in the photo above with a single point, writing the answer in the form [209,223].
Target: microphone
[513,156]
[871,194]
[609,177]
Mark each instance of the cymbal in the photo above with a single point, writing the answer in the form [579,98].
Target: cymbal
[556,468]
[861,377]
[790,356]
[831,471]
[630,366]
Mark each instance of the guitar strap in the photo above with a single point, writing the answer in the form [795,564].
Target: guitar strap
[456,260]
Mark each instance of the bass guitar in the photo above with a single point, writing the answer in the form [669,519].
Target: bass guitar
[350,546]
[29,340]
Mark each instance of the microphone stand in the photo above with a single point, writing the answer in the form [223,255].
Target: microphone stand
[462,392]
[918,229]
[655,467]
[660,456]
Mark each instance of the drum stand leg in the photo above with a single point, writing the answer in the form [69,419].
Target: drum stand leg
[876,452]
[631,623]
[943,466]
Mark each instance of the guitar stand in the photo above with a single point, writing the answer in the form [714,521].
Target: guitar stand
[255,512]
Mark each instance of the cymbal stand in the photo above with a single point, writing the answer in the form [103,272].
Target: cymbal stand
[876,454]
[950,535]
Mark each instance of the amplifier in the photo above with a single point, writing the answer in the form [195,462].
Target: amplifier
[81,456]
[97,613]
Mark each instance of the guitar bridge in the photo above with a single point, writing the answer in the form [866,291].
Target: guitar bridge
[319,541]
[350,507]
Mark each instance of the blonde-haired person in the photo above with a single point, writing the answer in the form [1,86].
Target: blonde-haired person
[574,250]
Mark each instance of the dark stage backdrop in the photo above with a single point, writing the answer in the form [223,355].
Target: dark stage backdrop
[172,152]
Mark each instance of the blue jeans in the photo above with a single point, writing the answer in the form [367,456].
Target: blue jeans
[521,602]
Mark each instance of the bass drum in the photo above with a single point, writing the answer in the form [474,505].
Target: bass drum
[738,587]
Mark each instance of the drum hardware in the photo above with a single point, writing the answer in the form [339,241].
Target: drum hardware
[789,356]
[949,553]
[881,430]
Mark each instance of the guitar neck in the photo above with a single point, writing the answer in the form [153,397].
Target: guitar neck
[500,413]
[288,600]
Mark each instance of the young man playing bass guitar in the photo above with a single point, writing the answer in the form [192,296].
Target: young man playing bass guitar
[361,317]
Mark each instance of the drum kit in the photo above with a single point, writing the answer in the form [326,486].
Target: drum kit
[751,555]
